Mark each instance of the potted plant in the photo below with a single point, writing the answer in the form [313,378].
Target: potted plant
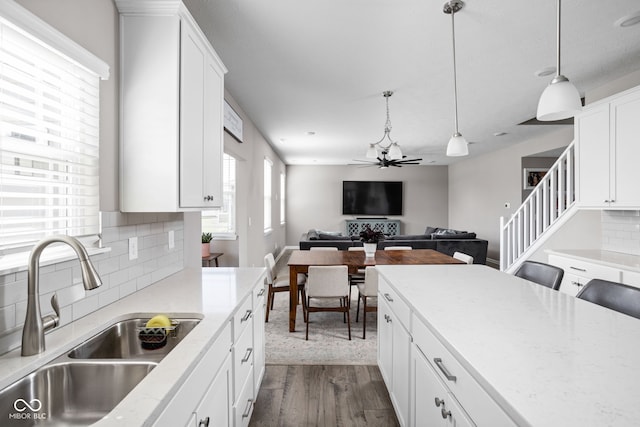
[370,239]
[206,247]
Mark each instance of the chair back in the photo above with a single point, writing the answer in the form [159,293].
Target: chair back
[323,248]
[270,265]
[616,296]
[463,257]
[355,248]
[541,273]
[327,281]
[370,288]
[398,248]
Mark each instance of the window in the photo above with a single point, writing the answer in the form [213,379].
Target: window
[49,133]
[282,199]
[221,222]
[267,194]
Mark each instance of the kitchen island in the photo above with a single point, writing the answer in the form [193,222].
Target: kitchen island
[215,294]
[509,351]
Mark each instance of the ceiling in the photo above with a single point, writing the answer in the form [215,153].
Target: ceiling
[320,66]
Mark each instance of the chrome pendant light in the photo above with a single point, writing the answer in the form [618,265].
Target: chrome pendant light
[457,145]
[560,100]
[392,148]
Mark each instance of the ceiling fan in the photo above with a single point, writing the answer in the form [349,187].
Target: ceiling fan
[384,161]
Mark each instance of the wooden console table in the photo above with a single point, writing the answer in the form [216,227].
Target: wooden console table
[389,227]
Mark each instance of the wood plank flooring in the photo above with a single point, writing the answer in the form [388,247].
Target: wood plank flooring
[324,396]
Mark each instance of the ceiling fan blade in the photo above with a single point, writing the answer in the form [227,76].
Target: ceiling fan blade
[407,161]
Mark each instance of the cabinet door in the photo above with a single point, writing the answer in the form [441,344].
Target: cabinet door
[385,341]
[258,341]
[401,359]
[212,134]
[593,137]
[625,113]
[216,405]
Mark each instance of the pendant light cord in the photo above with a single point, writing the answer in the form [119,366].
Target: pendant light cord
[558,73]
[455,85]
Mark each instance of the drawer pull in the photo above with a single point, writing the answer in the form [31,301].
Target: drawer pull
[577,269]
[247,355]
[444,370]
[261,292]
[204,423]
[388,297]
[247,410]
[578,284]
[445,414]
[439,402]
[246,316]
[387,318]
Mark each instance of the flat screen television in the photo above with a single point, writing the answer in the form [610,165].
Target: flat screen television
[372,198]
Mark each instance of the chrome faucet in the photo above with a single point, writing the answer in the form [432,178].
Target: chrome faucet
[35,325]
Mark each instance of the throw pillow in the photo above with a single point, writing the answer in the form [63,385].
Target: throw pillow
[409,237]
[323,236]
[312,234]
[459,235]
[430,230]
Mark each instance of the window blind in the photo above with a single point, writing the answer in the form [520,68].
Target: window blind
[49,143]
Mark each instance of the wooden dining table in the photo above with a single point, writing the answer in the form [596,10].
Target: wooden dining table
[300,260]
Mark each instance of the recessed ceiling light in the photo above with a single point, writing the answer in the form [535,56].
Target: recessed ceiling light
[283,139]
[547,71]
[499,134]
[628,20]
[311,133]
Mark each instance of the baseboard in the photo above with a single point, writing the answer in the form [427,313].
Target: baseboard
[494,263]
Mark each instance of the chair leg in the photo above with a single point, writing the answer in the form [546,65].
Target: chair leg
[269,303]
[348,320]
[306,319]
[358,307]
[364,317]
[272,296]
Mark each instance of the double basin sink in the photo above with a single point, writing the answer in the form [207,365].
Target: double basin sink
[83,385]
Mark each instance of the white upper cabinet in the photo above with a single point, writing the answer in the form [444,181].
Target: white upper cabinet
[171,115]
[608,147]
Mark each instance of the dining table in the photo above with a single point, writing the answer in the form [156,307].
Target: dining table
[300,260]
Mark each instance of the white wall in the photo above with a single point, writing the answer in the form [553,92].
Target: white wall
[315,196]
[479,187]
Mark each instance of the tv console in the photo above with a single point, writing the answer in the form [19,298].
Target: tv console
[390,227]
[371,218]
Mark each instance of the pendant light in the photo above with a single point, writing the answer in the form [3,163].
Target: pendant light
[457,145]
[392,148]
[560,100]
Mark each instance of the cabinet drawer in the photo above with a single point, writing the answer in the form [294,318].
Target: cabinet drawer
[572,284]
[243,407]
[242,318]
[585,268]
[397,304]
[259,294]
[242,360]
[477,403]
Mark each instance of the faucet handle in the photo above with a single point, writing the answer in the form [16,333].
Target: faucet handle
[52,320]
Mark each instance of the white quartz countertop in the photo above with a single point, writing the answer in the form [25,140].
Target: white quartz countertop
[213,293]
[608,258]
[547,358]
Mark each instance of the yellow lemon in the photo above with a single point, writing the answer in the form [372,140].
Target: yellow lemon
[159,321]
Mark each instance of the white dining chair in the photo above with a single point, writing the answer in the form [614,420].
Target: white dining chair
[463,257]
[398,248]
[323,248]
[367,291]
[326,283]
[277,283]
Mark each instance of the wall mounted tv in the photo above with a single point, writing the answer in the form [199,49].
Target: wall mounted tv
[372,198]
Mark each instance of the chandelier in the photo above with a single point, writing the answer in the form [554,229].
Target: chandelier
[385,144]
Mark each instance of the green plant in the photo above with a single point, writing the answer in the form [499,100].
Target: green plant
[369,236]
[206,237]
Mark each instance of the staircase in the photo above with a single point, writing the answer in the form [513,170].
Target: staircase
[550,204]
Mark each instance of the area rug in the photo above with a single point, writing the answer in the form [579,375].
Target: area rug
[328,342]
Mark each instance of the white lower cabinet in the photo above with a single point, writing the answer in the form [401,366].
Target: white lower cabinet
[259,354]
[578,273]
[215,406]
[432,404]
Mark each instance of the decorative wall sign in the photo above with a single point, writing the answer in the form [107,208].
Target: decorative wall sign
[533,176]
[232,122]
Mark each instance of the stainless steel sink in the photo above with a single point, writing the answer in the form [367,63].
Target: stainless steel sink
[120,341]
[72,393]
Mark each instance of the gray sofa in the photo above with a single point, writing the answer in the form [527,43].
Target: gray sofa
[442,240]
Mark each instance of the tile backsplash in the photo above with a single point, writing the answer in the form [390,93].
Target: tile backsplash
[120,276]
[621,231]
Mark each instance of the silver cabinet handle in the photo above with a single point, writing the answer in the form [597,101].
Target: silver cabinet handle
[578,284]
[439,402]
[204,423]
[444,370]
[261,292]
[246,316]
[387,318]
[577,269]
[247,410]
[247,355]
[388,297]
[445,414]
[208,198]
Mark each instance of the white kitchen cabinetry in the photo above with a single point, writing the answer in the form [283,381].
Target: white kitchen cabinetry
[243,352]
[172,92]
[607,135]
[394,346]
[578,273]
[259,354]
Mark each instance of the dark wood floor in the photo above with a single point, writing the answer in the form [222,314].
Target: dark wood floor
[331,396]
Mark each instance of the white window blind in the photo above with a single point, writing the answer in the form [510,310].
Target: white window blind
[49,133]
